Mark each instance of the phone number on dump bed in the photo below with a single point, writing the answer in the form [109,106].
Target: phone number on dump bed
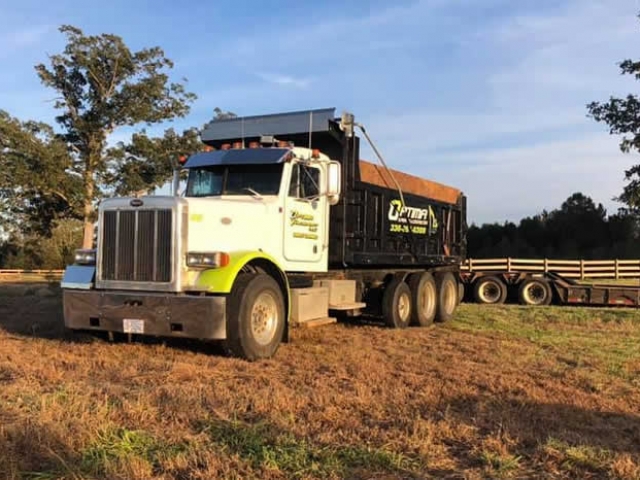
[398,228]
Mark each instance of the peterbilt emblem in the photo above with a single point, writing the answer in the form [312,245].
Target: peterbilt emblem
[136,202]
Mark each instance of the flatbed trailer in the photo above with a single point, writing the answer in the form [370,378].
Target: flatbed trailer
[495,287]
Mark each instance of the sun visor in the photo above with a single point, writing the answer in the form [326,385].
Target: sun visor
[290,126]
[242,156]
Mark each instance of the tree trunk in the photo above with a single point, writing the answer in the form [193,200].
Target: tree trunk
[87,240]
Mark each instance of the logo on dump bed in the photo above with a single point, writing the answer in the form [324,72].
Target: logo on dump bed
[411,219]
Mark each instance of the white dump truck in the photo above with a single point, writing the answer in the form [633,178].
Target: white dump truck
[280,223]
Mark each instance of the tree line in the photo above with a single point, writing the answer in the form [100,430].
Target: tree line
[578,229]
[53,177]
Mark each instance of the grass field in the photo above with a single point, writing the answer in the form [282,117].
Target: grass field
[504,392]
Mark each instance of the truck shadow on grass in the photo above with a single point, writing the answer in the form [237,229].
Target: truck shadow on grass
[577,439]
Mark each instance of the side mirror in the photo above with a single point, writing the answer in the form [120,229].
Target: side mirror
[334,182]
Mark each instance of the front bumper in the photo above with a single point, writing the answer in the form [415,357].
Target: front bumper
[162,315]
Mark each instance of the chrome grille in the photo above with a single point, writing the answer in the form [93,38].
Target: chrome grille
[136,245]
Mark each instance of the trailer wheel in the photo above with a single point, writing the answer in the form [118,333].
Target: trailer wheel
[396,304]
[255,317]
[447,296]
[489,290]
[424,299]
[535,291]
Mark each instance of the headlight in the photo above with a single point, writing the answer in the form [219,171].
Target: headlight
[85,257]
[207,259]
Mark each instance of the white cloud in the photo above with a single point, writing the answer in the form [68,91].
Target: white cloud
[531,144]
[22,38]
[284,80]
[523,181]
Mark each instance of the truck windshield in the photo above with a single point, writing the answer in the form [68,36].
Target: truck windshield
[234,180]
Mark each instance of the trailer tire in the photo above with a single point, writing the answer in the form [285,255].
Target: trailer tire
[255,317]
[461,292]
[424,299]
[535,292]
[397,304]
[447,296]
[489,291]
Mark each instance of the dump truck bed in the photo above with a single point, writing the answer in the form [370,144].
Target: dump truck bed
[380,176]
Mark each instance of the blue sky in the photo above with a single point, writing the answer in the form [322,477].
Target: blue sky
[485,95]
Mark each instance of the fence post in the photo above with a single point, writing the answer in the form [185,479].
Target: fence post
[509,264]
[617,270]
[581,269]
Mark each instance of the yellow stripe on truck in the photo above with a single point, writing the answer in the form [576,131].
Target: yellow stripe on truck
[220,280]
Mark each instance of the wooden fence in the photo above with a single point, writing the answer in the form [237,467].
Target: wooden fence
[581,269]
[30,275]
[569,268]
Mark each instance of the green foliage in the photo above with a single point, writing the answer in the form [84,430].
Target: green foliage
[622,115]
[147,163]
[103,85]
[36,184]
[219,114]
[266,449]
[116,445]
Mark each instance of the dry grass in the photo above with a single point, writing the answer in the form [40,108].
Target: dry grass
[503,392]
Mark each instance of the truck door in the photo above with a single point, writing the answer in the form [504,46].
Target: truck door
[305,211]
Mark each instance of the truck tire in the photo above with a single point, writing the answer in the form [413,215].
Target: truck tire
[535,291]
[447,296]
[424,299]
[255,317]
[489,291]
[396,304]
[461,292]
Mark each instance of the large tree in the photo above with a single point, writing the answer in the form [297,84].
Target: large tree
[622,115]
[37,186]
[103,85]
[146,163]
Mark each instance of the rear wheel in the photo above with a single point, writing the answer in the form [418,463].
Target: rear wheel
[255,317]
[396,304]
[461,292]
[424,299]
[490,291]
[535,291]
[447,296]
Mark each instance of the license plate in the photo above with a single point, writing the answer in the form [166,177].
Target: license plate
[130,325]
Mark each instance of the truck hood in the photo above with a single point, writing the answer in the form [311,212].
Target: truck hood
[231,223]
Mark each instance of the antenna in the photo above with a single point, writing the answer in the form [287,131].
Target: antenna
[242,129]
[310,127]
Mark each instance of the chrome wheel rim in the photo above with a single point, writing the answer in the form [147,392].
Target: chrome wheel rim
[264,318]
[490,292]
[404,307]
[535,293]
[451,296]
[427,300]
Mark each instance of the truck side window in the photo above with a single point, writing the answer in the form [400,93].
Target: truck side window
[310,181]
[304,181]
[294,188]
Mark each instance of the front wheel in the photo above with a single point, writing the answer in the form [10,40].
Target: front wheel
[255,317]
